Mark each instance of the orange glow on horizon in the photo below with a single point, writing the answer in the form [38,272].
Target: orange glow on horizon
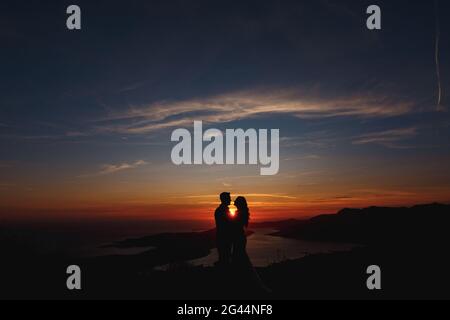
[198,205]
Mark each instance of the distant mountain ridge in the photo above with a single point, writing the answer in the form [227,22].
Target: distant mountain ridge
[375,225]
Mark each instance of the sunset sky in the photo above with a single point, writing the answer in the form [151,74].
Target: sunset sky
[86,116]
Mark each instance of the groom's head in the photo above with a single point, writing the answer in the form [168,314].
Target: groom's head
[225,198]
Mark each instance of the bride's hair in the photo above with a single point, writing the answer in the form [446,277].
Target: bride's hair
[244,212]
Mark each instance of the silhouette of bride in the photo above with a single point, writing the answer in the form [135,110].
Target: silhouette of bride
[239,237]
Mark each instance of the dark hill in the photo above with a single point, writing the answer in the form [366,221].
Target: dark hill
[376,226]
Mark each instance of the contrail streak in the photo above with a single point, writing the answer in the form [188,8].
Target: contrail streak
[438,69]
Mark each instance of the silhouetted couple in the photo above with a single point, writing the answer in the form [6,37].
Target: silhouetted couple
[230,226]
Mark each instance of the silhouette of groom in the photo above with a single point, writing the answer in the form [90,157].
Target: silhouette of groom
[223,237]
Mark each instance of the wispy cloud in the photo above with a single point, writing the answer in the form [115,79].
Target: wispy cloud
[315,139]
[76,134]
[386,138]
[305,157]
[113,168]
[383,193]
[6,185]
[108,169]
[247,104]
[42,131]
[132,87]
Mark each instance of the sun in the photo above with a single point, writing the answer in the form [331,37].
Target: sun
[232,209]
